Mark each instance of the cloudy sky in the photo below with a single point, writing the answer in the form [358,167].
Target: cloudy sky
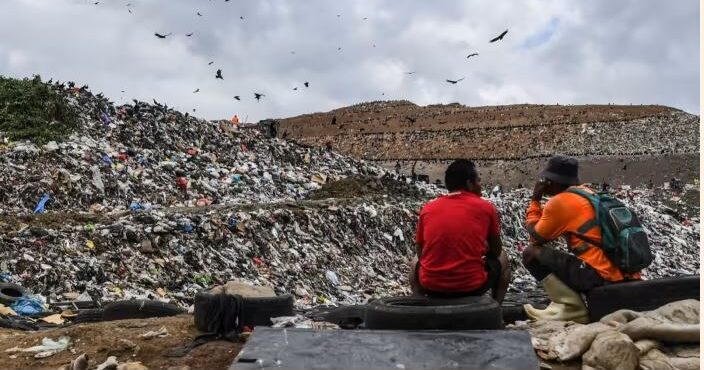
[562,51]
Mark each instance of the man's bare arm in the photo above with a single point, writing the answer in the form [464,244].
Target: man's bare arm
[494,245]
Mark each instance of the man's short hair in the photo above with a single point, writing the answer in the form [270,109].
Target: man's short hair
[458,173]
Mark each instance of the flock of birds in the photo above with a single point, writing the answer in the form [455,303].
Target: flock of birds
[258,96]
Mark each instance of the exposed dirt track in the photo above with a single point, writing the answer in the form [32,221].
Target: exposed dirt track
[120,339]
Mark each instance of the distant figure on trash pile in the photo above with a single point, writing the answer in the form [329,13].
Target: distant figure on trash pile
[453,233]
[572,212]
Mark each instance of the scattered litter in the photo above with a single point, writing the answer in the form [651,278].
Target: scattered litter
[48,347]
[27,306]
[53,319]
[162,332]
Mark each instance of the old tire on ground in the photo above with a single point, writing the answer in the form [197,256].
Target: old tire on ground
[642,295]
[423,313]
[89,315]
[10,292]
[139,309]
[255,311]
[258,311]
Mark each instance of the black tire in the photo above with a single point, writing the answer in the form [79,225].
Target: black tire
[89,315]
[10,292]
[423,313]
[259,311]
[642,295]
[255,311]
[139,309]
[347,317]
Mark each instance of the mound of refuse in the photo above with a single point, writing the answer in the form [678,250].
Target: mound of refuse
[146,202]
[143,155]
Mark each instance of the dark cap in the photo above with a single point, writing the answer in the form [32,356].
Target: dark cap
[562,170]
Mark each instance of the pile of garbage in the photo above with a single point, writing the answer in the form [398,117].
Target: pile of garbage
[143,155]
[644,136]
[146,202]
[322,251]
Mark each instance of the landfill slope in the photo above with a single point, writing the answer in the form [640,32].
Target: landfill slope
[147,202]
[510,139]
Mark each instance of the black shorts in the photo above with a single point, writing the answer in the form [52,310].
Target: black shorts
[574,272]
[493,270]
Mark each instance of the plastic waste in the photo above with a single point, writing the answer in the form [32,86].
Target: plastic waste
[27,306]
[42,203]
[48,347]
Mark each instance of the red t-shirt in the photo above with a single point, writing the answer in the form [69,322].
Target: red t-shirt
[453,230]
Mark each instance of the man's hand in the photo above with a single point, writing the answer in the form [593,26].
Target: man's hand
[539,190]
[531,253]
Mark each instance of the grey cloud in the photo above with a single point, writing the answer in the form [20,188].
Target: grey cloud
[602,51]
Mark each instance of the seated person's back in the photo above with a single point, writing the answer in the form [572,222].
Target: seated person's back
[459,241]
[453,230]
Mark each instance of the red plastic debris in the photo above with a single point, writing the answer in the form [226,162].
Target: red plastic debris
[258,261]
[243,147]
[203,202]
[123,157]
[182,183]
[247,329]
[192,152]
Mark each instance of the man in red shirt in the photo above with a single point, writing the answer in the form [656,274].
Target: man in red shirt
[459,241]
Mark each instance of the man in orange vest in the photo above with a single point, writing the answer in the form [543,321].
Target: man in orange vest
[565,275]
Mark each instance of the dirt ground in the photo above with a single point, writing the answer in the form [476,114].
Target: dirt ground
[400,116]
[120,339]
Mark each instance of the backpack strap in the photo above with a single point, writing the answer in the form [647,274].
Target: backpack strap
[587,225]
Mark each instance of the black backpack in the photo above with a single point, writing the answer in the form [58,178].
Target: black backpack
[623,239]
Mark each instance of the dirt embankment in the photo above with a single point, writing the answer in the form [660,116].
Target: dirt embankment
[617,144]
[122,339]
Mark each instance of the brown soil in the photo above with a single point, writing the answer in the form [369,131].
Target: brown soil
[120,339]
[403,116]
[355,187]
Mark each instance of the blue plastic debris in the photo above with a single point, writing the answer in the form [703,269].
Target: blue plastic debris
[106,119]
[232,222]
[27,306]
[41,204]
[107,159]
[136,206]
[236,178]
[5,277]
[187,228]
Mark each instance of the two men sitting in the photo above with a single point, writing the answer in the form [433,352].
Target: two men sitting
[460,250]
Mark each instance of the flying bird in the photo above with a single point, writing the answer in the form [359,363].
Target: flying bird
[410,73]
[305,84]
[211,63]
[189,34]
[338,49]
[200,15]
[162,36]
[197,90]
[258,96]
[499,37]
[364,19]
[237,97]
[455,81]
[295,88]
[241,17]
[218,74]
[472,55]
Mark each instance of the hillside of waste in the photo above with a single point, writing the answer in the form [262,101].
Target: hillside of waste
[146,202]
